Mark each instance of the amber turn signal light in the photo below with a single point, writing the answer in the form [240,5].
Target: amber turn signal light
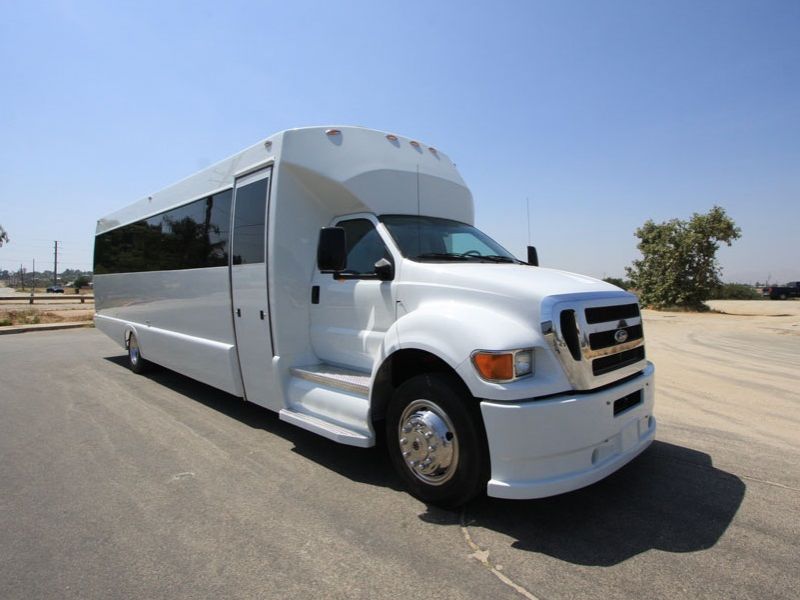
[494,367]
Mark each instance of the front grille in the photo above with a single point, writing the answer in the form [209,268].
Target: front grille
[612,362]
[597,343]
[601,314]
[606,339]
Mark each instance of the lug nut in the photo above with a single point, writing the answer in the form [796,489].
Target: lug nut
[403,441]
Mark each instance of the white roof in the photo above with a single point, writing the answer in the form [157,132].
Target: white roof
[375,171]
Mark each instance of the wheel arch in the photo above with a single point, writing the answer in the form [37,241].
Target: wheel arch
[128,330]
[400,366]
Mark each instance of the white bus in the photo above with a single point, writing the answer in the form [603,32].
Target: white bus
[334,275]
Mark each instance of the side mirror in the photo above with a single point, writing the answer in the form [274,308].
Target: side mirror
[384,270]
[331,250]
[533,257]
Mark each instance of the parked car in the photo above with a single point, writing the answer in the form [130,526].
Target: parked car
[55,289]
[790,290]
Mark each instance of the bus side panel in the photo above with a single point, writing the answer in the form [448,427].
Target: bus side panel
[182,318]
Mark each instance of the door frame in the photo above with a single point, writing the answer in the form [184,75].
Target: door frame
[243,178]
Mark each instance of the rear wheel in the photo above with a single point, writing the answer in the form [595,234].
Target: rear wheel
[436,440]
[136,362]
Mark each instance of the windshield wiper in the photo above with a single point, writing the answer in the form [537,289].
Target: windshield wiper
[446,256]
[498,258]
[466,256]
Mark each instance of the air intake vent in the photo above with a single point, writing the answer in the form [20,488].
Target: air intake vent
[601,314]
[617,361]
[569,329]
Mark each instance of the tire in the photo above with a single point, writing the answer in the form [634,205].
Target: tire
[455,468]
[136,361]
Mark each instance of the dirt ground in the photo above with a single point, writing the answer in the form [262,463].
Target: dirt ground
[43,312]
[735,370]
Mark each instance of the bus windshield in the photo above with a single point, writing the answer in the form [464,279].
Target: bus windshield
[433,239]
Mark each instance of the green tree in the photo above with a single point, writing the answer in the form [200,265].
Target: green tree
[620,283]
[3,236]
[81,281]
[679,259]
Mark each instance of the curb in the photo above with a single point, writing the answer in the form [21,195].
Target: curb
[44,327]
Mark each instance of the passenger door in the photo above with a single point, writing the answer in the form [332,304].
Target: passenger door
[249,292]
[355,308]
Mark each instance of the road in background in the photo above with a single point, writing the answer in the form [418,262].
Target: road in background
[116,485]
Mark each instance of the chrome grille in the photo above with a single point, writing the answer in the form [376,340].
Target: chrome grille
[597,341]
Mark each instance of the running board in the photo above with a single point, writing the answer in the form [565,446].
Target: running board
[354,382]
[337,433]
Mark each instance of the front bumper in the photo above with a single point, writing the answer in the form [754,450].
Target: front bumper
[542,448]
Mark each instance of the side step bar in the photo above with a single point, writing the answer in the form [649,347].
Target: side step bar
[334,432]
[354,382]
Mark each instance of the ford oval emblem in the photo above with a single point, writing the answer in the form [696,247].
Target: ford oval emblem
[620,335]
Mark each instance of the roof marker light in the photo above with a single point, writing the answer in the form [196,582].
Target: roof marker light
[415,144]
[391,137]
[332,132]
[434,151]
[267,144]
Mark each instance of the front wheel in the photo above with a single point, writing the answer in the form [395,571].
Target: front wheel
[436,440]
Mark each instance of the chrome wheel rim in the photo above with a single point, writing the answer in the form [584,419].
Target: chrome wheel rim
[428,442]
[133,350]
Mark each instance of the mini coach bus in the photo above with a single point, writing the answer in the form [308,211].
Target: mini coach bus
[334,276]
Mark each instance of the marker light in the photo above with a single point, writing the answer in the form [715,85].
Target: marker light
[494,367]
[391,137]
[415,144]
[503,367]
[332,132]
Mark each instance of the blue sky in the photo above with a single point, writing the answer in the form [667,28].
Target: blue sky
[604,114]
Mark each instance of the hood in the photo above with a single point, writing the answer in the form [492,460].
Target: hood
[520,282]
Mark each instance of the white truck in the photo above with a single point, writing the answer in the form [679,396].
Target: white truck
[334,275]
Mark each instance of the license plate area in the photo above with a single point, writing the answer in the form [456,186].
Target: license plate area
[627,402]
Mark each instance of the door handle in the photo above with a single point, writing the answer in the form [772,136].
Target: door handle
[238,312]
[261,314]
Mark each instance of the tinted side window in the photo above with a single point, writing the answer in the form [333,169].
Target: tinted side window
[192,236]
[364,246]
[218,228]
[248,223]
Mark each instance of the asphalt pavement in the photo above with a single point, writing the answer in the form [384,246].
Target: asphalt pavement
[114,485]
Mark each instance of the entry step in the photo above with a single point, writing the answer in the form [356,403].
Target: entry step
[332,431]
[355,382]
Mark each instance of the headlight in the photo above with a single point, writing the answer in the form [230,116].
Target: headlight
[504,366]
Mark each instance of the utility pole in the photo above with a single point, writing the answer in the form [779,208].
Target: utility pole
[55,262]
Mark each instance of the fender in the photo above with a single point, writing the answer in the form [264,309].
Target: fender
[453,330]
